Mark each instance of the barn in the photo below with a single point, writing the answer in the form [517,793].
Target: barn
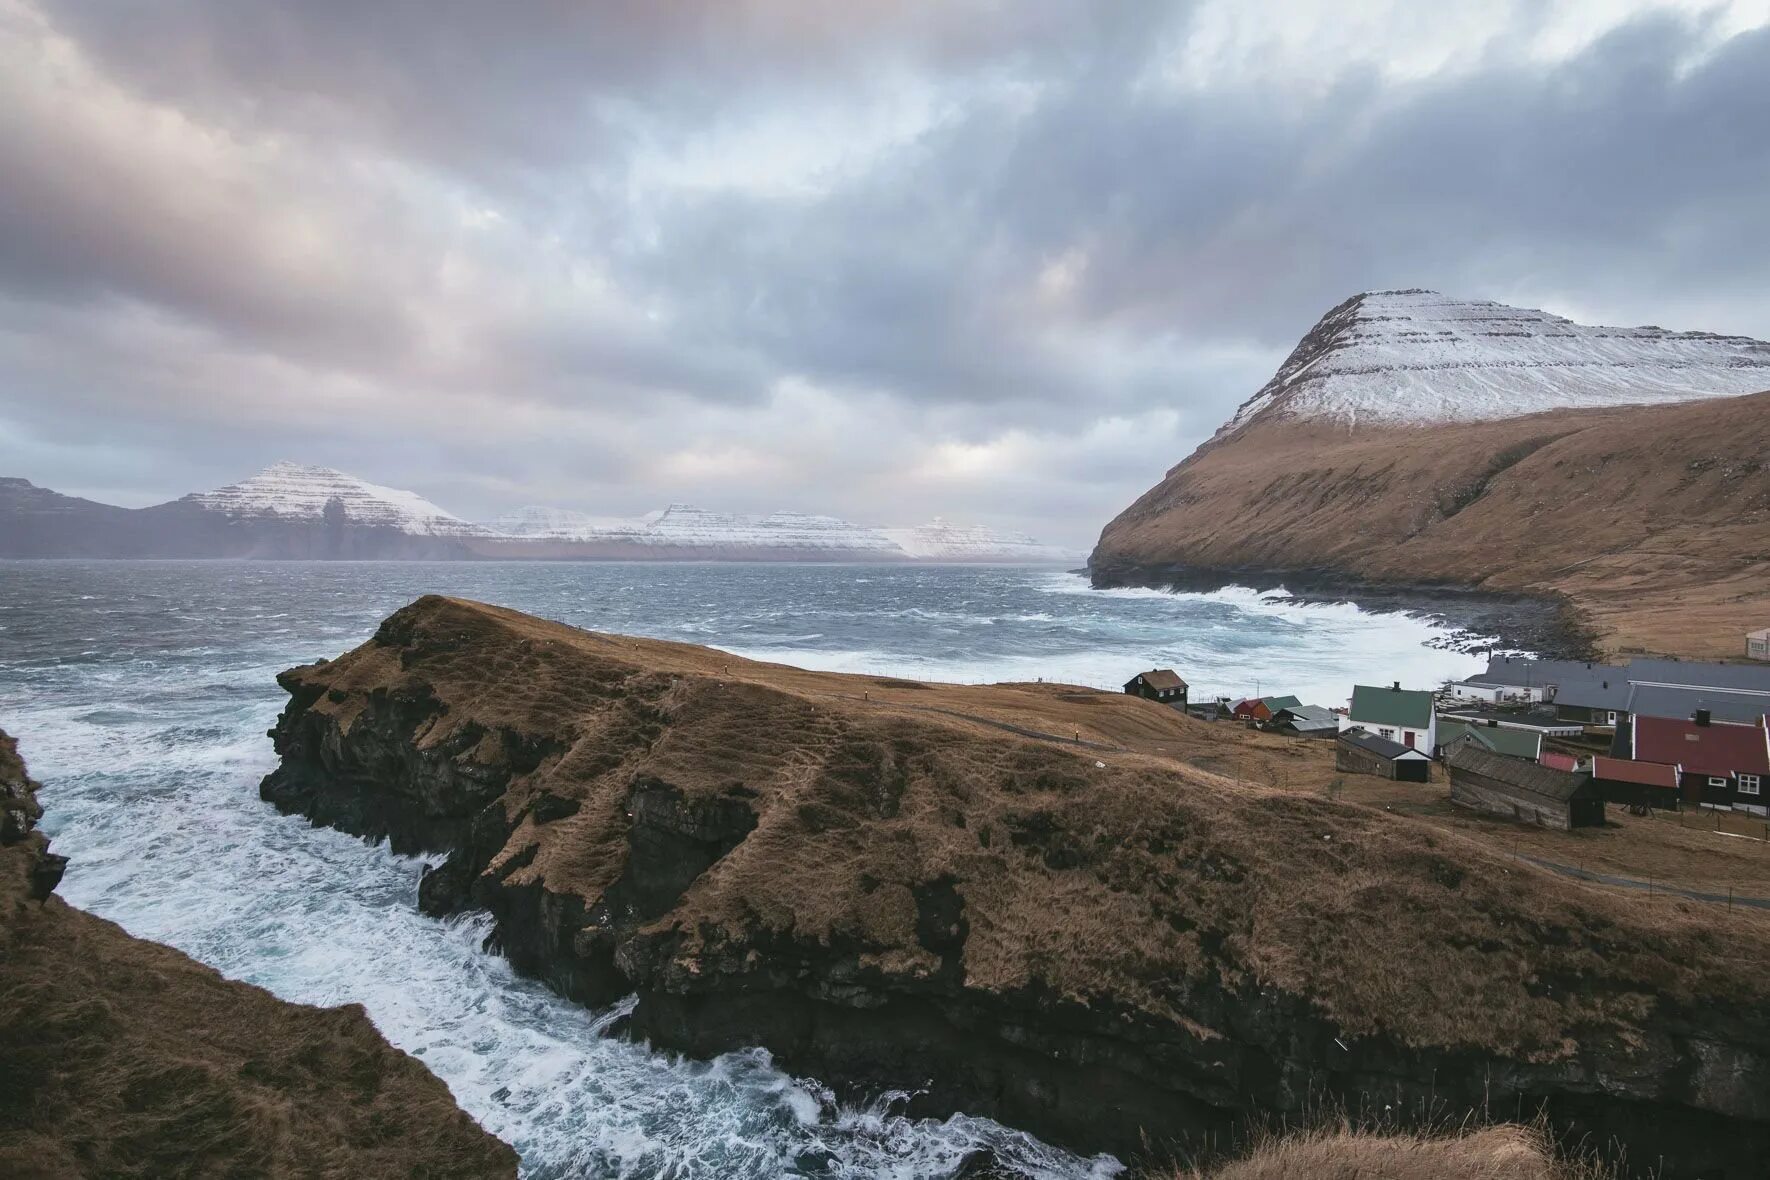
[1524,791]
[1158,684]
[1358,751]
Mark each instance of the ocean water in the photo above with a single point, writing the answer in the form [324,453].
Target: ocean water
[141,693]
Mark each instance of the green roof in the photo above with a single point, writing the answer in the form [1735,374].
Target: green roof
[1274,704]
[1515,743]
[1388,706]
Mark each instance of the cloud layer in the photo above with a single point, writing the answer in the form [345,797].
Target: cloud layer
[1004,262]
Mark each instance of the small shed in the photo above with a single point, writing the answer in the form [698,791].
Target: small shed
[1158,684]
[1358,751]
[1636,784]
[1524,791]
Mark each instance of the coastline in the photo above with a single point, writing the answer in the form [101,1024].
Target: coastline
[1548,625]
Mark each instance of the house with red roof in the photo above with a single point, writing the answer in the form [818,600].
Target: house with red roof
[1636,784]
[1719,763]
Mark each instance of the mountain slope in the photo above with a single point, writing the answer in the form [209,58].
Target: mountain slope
[287,491]
[1652,521]
[1416,356]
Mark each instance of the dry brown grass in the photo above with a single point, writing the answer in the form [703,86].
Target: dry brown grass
[124,1058]
[1345,1153]
[1113,885]
[1653,520]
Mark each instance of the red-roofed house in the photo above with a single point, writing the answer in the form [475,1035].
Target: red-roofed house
[1637,784]
[1720,764]
[1556,760]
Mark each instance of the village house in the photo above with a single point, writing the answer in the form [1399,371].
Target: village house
[1358,751]
[1399,715]
[1511,741]
[1263,708]
[1556,760]
[1636,784]
[1159,684]
[1757,644]
[1524,791]
[1720,763]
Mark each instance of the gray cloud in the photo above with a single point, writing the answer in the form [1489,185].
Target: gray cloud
[997,261]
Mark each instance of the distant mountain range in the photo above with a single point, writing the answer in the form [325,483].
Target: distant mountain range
[1413,439]
[295,511]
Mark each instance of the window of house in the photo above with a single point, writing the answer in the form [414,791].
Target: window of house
[1388,733]
[1748,784]
[1720,784]
[1613,718]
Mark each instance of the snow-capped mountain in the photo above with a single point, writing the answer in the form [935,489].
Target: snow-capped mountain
[942,540]
[542,523]
[1414,356]
[683,527]
[293,491]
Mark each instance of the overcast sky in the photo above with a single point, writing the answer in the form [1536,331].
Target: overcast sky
[1004,262]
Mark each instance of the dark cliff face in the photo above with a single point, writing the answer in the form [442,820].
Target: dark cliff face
[1102,954]
[120,1057]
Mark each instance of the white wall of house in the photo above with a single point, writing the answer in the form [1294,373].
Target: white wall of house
[1424,740]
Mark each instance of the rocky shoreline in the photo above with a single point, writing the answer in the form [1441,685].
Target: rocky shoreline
[123,1057]
[1548,625]
[1112,957]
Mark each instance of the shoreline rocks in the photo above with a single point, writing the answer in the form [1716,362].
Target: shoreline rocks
[1110,956]
[125,1057]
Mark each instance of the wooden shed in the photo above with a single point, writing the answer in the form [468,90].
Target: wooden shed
[1636,784]
[1358,751]
[1524,791]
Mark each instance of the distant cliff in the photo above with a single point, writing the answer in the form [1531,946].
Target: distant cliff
[125,1058]
[894,885]
[1415,441]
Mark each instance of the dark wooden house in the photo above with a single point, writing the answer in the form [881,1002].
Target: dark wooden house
[1720,764]
[1358,751]
[1158,684]
[1524,791]
[1636,784]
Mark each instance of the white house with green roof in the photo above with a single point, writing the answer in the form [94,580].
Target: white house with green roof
[1402,715]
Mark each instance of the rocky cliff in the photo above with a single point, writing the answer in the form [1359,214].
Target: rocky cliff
[1394,453]
[897,885]
[125,1058]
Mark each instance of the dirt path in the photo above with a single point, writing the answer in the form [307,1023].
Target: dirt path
[1636,883]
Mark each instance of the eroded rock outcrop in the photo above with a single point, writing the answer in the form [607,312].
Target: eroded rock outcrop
[121,1057]
[888,894]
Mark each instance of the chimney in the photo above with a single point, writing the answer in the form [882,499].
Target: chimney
[1702,717]
[1396,687]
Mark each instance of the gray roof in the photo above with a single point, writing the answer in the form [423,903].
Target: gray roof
[1310,713]
[1382,747]
[1607,686]
[1652,700]
[1753,677]
[1529,776]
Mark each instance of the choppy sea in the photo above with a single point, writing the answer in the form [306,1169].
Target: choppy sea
[141,692]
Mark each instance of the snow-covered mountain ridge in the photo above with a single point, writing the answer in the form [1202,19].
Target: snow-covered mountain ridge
[287,493]
[1419,357]
[296,491]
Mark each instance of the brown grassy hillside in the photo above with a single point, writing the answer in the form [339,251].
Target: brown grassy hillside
[124,1058]
[873,876]
[1342,1153]
[1654,521]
